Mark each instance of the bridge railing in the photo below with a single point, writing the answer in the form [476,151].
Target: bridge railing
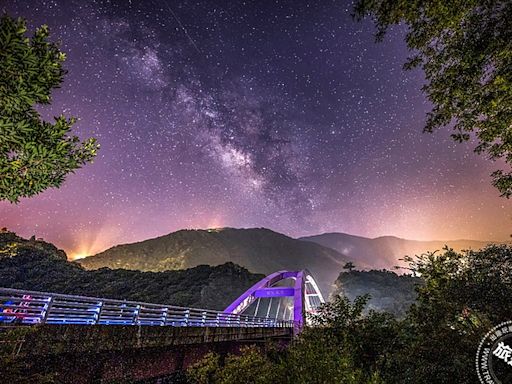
[31,307]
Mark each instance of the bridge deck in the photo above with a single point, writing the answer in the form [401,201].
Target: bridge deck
[31,307]
[81,339]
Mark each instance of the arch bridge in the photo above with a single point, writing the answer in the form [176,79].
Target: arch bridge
[286,295]
[80,339]
[282,299]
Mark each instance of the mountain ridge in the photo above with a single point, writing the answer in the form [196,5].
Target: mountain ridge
[385,252]
[260,250]
[402,238]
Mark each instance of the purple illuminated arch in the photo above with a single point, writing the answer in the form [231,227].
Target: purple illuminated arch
[266,288]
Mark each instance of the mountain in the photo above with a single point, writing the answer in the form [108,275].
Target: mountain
[385,252]
[259,250]
[388,291]
[40,266]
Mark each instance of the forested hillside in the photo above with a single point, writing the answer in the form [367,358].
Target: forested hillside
[388,291]
[259,250]
[40,266]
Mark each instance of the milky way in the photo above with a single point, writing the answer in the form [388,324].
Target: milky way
[248,114]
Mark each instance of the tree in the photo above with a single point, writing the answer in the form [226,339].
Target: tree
[465,50]
[13,370]
[349,265]
[252,366]
[34,154]
[389,292]
[318,357]
[364,339]
[462,297]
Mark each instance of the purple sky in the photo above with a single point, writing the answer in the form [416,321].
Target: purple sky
[248,114]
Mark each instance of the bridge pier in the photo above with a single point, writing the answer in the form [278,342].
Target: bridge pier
[104,354]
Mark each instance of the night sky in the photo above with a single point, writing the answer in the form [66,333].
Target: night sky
[273,114]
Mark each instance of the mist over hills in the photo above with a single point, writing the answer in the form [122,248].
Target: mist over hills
[259,250]
[389,292]
[384,252]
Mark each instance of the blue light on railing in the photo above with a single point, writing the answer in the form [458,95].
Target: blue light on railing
[29,307]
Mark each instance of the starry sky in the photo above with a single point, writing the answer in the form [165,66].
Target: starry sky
[278,114]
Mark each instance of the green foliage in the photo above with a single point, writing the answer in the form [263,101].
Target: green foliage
[339,313]
[318,357]
[476,285]
[388,291]
[308,360]
[34,154]
[364,339]
[465,50]
[330,352]
[12,370]
[464,295]
[252,366]
[204,371]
